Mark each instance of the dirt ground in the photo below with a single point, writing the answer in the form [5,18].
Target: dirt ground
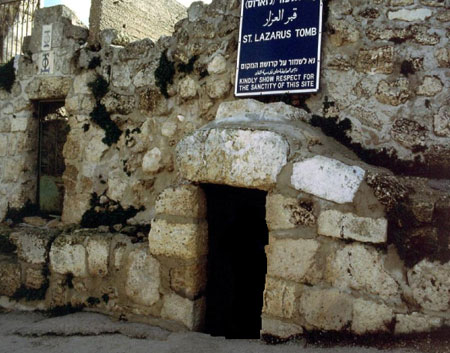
[88,332]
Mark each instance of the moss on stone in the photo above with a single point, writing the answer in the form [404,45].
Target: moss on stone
[189,67]
[99,87]
[164,74]
[101,117]
[106,216]
[7,76]
[95,62]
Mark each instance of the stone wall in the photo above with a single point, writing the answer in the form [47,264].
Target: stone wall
[136,19]
[352,245]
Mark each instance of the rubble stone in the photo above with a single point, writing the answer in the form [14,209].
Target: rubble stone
[370,317]
[183,200]
[280,298]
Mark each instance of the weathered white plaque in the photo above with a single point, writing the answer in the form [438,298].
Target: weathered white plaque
[46,43]
[46,63]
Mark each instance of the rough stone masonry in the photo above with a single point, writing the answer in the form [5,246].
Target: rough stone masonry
[357,175]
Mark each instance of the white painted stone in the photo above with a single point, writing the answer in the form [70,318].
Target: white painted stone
[143,277]
[98,256]
[326,309]
[361,268]
[327,178]
[290,259]
[410,14]
[232,157]
[336,224]
[430,284]
[183,310]
[68,256]
[186,241]
[416,322]
[280,329]
[218,65]
[370,317]
[151,162]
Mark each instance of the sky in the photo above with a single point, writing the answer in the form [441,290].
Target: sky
[82,7]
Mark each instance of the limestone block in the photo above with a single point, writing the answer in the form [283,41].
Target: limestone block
[271,111]
[188,280]
[410,15]
[48,87]
[185,241]
[68,255]
[409,133]
[280,329]
[183,200]
[393,93]
[119,251]
[431,86]
[169,128]
[10,277]
[119,103]
[218,65]
[95,149]
[116,187]
[401,2]
[187,88]
[416,322]
[19,124]
[370,317]
[290,259]
[232,157]
[280,298]
[31,246]
[217,88]
[81,81]
[430,284]
[3,145]
[361,268]
[183,310]
[376,60]
[327,178]
[326,309]
[12,169]
[336,224]
[98,255]
[287,212]
[442,122]
[143,277]
[343,32]
[121,76]
[442,56]
[435,3]
[5,123]
[34,278]
[151,162]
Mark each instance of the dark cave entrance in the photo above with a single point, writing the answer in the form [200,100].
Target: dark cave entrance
[237,263]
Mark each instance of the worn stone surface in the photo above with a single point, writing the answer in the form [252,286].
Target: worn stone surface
[431,86]
[325,309]
[10,275]
[416,322]
[188,280]
[442,122]
[410,15]
[143,277]
[336,224]
[183,310]
[370,317]
[98,256]
[182,200]
[287,212]
[68,256]
[361,268]
[185,241]
[232,157]
[290,259]
[34,278]
[327,178]
[32,247]
[430,284]
[280,329]
[393,93]
[280,298]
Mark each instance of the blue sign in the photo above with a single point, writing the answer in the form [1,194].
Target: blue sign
[279,47]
